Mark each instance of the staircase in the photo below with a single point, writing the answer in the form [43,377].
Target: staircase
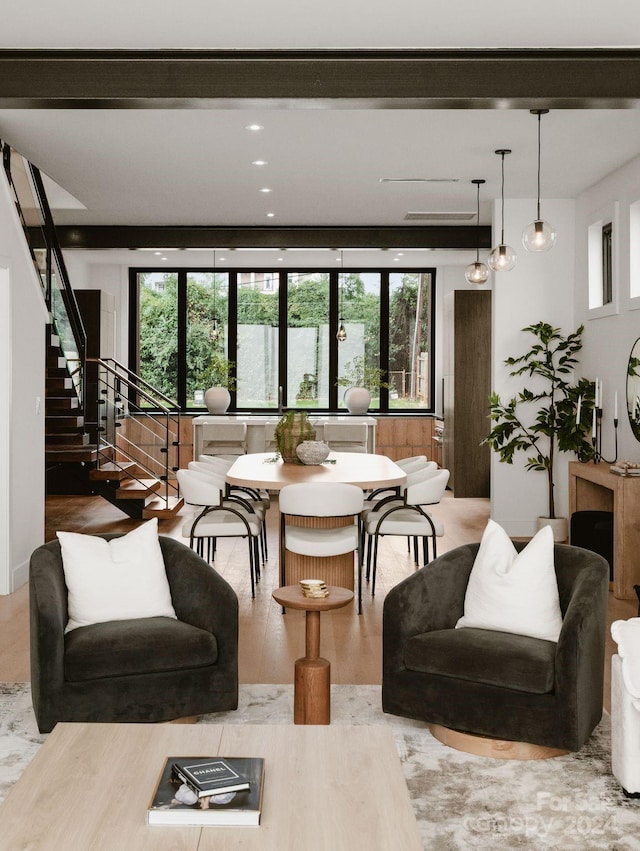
[74,464]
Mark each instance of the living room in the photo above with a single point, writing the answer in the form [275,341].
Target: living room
[552,287]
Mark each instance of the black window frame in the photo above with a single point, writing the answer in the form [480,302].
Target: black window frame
[385,272]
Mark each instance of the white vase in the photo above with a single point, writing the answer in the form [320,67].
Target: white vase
[558,525]
[217,400]
[357,400]
[312,451]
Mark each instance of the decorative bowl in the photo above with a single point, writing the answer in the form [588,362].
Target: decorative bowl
[312,451]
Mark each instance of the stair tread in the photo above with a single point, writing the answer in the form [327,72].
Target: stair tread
[113,471]
[137,489]
[71,453]
[159,507]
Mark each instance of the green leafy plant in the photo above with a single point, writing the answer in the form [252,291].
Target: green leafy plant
[219,373]
[553,425]
[293,427]
[357,374]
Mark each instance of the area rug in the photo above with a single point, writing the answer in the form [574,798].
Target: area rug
[461,801]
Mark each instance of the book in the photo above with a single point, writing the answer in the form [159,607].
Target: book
[175,802]
[213,776]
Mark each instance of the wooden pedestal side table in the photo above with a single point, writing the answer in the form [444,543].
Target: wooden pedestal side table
[312,682]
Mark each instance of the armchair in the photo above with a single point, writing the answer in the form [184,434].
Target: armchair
[146,669]
[497,684]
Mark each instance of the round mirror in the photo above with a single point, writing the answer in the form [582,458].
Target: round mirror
[633,389]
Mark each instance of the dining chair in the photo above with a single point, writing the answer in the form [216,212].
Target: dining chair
[249,498]
[346,437]
[320,500]
[224,439]
[406,517]
[218,518]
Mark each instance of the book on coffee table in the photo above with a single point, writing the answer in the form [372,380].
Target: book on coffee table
[175,802]
[213,776]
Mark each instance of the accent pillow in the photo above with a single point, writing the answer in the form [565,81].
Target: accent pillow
[513,592]
[121,579]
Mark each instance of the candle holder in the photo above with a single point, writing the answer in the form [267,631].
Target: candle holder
[596,439]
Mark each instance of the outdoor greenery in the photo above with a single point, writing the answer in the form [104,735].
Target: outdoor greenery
[543,421]
[208,363]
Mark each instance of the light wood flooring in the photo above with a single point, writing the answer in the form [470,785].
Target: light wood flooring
[270,641]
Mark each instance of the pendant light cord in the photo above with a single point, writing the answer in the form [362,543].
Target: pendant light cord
[539,117]
[502,203]
[478,223]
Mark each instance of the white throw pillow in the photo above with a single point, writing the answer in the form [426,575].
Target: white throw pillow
[514,592]
[120,579]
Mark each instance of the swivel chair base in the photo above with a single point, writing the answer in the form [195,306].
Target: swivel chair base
[495,748]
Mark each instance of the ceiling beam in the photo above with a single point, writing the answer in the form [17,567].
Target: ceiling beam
[492,79]
[113,236]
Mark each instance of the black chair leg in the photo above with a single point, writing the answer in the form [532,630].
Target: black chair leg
[252,569]
[375,566]
[369,545]
[425,550]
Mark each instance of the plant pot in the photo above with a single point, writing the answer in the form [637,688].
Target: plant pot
[558,525]
[217,400]
[357,400]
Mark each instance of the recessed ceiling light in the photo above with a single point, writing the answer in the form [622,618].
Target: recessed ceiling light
[259,162]
[265,189]
[254,127]
[400,254]
[396,259]
[270,215]
[280,259]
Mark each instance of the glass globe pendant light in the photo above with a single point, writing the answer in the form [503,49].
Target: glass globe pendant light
[478,272]
[539,235]
[503,257]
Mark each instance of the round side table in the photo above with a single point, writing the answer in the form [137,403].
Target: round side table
[312,694]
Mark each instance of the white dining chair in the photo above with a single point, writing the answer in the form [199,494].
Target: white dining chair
[323,499]
[217,518]
[407,517]
[345,436]
[229,439]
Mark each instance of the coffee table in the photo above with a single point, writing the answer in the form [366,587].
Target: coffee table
[312,681]
[89,787]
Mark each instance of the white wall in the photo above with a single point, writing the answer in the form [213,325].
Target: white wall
[540,288]
[609,338]
[22,331]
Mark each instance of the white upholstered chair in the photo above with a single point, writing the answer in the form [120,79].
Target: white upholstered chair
[218,518]
[406,517]
[325,499]
[346,437]
[224,439]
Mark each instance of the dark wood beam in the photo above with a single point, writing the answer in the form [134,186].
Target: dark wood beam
[493,79]
[110,236]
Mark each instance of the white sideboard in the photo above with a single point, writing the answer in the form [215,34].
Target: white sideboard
[204,429]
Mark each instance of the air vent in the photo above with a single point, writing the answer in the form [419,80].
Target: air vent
[440,217]
[419,179]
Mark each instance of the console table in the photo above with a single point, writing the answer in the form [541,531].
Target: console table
[592,487]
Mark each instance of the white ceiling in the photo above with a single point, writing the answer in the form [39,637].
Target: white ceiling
[193,167]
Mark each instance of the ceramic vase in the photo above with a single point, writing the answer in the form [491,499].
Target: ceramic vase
[217,400]
[558,525]
[357,400]
[312,451]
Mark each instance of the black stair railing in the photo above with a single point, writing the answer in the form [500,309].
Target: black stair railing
[136,422]
[25,181]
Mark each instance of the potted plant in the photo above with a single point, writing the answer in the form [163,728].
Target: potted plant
[292,429]
[220,376]
[360,379]
[553,415]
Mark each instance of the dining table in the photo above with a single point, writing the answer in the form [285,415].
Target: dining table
[267,471]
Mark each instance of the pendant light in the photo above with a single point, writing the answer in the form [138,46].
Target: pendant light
[215,331]
[341,336]
[478,272]
[503,257]
[539,235]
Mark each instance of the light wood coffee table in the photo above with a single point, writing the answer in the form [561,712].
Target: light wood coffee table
[325,788]
[312,682]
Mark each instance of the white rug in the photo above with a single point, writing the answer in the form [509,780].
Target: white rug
[461,801]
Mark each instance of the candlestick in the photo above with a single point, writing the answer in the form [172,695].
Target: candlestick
[615,405]
[595,393]
[579,410]
[593,430]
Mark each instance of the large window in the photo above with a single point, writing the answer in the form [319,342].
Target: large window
[271,336]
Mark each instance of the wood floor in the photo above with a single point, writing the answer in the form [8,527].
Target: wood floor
[269,641]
